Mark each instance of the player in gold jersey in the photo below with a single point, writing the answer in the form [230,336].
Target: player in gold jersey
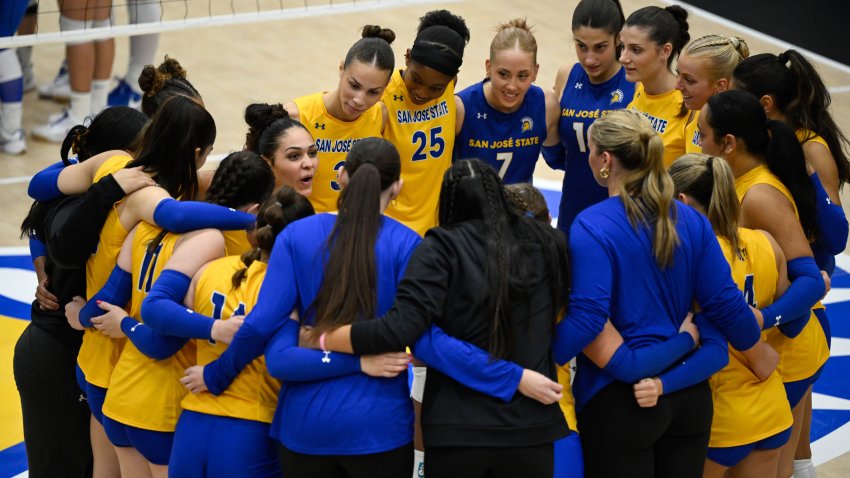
[421,115]
[705,68]
[652,38]
[337,119]
[777,196]
[752,418]
[139,418]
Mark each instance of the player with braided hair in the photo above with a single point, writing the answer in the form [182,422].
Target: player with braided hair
[466,433]
[284,143]
[529,201]
[139,419]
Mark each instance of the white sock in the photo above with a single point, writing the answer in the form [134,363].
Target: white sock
[10,68]
[99,92]
[804,469]
[142,47]
[10,116]
[418,464]
[80,106]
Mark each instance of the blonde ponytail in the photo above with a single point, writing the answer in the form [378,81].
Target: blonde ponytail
[647,190]
[709,181]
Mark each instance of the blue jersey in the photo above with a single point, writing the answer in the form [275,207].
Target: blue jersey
[343,412]
[581,103]
[616,276]
[509,142]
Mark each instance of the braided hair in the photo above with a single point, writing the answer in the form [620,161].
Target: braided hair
[472,191]
[282,208]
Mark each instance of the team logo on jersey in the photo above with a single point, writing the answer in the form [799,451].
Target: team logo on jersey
[482,115]
[398,97]
[320,126]
[578,86]
[616,96]
[527,124]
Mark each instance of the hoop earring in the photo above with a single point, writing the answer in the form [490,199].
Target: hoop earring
[604,172]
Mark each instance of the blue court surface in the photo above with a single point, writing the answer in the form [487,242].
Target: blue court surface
[830,422]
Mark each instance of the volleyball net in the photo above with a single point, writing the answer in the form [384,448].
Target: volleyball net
[185,14]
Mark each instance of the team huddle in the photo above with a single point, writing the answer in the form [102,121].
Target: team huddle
[261,319]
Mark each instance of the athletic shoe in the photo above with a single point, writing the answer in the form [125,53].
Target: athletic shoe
[13,143]
[56,129]
[123,95]
[59,89]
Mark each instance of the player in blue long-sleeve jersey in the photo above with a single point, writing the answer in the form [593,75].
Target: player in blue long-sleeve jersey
[505,119]
[642,260]
[587,90]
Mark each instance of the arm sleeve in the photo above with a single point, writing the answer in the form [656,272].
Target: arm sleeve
[37,248]
[806,288]
[150,343]
[289,362]
[184,216]
[717,294]
[468,364]
[420,299]
[44,186]
[275,302]
[116,291]
[555,156]
[711,356]
[164,312]
[75,225]
[590,297]
[832,222]
[627,365]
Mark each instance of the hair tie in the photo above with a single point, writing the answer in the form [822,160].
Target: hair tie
[783,58]
[79,136]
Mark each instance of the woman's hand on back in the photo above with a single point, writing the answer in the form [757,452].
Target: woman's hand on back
[385,365]
[539,387]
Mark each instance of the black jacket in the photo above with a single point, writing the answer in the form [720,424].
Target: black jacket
[445,283]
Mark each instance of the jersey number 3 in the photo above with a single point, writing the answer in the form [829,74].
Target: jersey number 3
[437,144]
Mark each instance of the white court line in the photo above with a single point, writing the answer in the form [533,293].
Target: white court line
[750,33]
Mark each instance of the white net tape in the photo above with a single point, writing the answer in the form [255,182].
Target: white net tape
[183,14]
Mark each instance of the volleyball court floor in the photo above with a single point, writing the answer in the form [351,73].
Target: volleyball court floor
[269,62]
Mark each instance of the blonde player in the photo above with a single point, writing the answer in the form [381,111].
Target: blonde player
[705,68]
[752,418]
[339,118]
[421,115]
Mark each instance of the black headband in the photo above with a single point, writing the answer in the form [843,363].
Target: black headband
[436,56]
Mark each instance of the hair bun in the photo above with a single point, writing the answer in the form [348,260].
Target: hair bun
[520,23]
[447,19]
[375,31]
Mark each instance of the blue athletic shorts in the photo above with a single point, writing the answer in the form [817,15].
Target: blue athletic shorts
[211,446]
[731,456]
[154,446]
[568,460]
[796,390]
[94,395]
